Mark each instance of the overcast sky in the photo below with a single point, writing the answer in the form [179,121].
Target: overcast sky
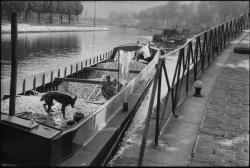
[104,7]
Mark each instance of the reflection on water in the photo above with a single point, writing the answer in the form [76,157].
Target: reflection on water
[41,52]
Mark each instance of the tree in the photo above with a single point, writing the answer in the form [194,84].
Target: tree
[70,9]
[61,9]
[228,9]
[13,6]
[37,7]
[78,8]
[50,7]
[28,10]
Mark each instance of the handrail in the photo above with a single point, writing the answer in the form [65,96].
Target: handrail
[195,60]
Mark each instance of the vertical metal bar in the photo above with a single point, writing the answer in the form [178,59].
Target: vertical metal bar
[13,81]
[172,86]
[58,73]
[51,81]
[158,104]
[118,67]
[173,100]
[34,83]
[65,71]
[71,70]
[187,65]
[77,73]
[178,80]
[228,33]
[24,83]
[166,75]
[203,53]
[145,132]
[43,83]
[195,58]
[175,72]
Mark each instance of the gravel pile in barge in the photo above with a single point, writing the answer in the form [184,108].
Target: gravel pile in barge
[32,107]
[83,90]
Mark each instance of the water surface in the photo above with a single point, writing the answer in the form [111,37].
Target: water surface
[41,52]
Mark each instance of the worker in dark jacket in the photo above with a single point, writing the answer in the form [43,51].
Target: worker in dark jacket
[108,89]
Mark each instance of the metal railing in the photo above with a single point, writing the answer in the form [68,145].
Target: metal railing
[200,51]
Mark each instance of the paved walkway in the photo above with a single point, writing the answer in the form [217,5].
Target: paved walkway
[223,108]
[224,135]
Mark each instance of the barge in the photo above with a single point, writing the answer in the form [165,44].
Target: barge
[31,137]
[171,37]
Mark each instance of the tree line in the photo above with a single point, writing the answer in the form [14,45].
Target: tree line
[191,15]
[24,8]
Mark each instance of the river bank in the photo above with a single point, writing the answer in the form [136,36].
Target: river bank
[27,28]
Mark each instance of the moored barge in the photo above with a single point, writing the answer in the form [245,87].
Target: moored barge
[31,137]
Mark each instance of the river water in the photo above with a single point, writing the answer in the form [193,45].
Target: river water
[41,52]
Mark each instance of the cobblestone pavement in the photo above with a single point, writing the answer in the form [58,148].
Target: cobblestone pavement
[223,139]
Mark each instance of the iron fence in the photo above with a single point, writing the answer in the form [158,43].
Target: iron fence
[200,51]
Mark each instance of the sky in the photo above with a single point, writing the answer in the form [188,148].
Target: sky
[104,7]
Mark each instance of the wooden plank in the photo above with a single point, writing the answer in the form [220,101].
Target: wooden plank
[108,69]
[78,80]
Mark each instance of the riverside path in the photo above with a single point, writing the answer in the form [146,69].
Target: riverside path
[212,130]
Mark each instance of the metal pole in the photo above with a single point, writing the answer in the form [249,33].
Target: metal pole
[118,66]
[95,14]
[12,102]
[158,105]
[147,123]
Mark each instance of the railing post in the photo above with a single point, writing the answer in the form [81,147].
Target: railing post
[13,81]
[24,83]
[147,123]
[65,71]
[158,104]
[202,56]
[43,83]
[51,81]
[187,63]
[58,75]
[71,70]
[77,73]
[34,83]
[178,78]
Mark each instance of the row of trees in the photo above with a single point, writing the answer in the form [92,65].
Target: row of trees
[192,15]
[40,7]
